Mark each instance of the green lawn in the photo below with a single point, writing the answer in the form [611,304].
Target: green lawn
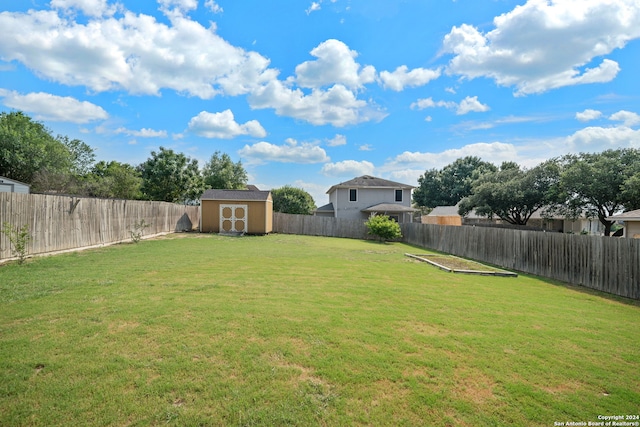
[291,330]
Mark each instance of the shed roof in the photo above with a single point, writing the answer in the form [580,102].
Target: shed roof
[626,216]
[368,181]
[389,207]
[214,194]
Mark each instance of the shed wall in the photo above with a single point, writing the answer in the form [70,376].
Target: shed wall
[260,215]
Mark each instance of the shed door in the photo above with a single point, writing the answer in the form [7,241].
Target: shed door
[233,218]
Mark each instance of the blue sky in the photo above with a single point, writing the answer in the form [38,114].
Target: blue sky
[313,93]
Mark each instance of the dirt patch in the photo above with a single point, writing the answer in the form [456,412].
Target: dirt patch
[459,265]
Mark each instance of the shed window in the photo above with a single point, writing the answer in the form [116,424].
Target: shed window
[398,195]
[353,195]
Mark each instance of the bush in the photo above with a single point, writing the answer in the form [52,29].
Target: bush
[138,230]
[383,227]
[19,239]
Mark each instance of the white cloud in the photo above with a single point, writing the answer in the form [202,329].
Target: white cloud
[143,133]
[471,104]
[314,6]
[130,52]
[627,118]
[291,152]
[213,6]
[595,139]
[348,168]
[546,44]
[181,5]
[588,115]
[223,125]
[337,106]
[48,107]
[401,77]
[467,105]
[337,140]
[335,65]
[94,8]
[495,152]
[365,147]
[423,103]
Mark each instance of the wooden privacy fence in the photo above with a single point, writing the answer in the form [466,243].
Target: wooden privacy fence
[319,226]
[607,264]
[58,223]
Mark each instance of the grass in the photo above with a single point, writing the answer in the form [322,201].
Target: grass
[292,330]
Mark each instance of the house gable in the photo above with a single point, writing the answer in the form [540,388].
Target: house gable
[361,196]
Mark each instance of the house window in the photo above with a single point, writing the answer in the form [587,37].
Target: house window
[353,195]
[395,218]
[398,195]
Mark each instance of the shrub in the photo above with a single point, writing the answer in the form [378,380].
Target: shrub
[383,227]
[19,239]
[138,230]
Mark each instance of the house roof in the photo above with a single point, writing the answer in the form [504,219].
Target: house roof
[389,207]
[326,208]
[626,216]
[13,181]
[252,195]
[444,211]
[452,211]
[368,181]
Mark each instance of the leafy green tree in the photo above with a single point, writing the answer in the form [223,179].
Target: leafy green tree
[383,227]
[446,187]
[511,193]
[28,148]
[631,192]
[600,184]
[114,180]
[81,155]
[171,177]
[293,200]
[221,173]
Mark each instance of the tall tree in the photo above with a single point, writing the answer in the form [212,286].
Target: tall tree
[511,193]
[171,177]
[114,180]
[446,187]
[27,148]
[600,184]
[292,200]
[81,155]
[221,173]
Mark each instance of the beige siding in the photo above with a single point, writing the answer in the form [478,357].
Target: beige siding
[260,215]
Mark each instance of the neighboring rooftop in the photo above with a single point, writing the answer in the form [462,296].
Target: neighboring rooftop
[389,207]
[626,216]
[326,208]
[369,181]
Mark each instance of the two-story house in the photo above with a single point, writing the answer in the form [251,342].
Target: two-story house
[360,197]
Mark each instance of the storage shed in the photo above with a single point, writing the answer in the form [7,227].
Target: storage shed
[236,211]
[12,186]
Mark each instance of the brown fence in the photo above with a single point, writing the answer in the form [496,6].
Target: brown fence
[58,223]
[604,263]
[319,226]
